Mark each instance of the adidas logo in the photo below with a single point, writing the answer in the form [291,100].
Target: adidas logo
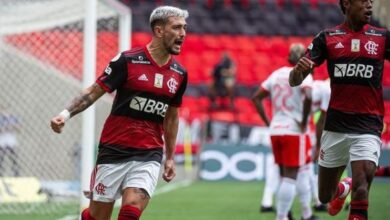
[143,78]
[339,45]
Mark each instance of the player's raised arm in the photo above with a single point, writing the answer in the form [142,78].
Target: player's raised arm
[300,71]
[86,98]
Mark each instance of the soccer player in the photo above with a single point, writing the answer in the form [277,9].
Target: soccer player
[320,103]
[355,53]
[291,108]
[150,84]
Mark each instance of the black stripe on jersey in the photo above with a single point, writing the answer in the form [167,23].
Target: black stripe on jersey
[140,105]
[353,123]
[111,154]
[359,71]
[175,66]
[137,56]
[378,32]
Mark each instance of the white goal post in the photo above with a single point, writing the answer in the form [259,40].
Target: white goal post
[42,67]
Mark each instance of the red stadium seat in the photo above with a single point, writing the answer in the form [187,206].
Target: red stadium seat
[256,57]
[224,116]
[141,39]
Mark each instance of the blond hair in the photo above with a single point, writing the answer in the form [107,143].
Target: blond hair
[162,13]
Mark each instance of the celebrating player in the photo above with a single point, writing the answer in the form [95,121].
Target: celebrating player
[355,52]
[150,85]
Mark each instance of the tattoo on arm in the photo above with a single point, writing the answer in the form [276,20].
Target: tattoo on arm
[142,193]
[85,99]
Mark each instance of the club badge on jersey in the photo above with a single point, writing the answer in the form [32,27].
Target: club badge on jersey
[371,47]
[172,85]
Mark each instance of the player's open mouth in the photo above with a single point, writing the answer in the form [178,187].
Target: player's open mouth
[368,14]
[178,42]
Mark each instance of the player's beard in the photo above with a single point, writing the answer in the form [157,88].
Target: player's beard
[169,47]
[172,51]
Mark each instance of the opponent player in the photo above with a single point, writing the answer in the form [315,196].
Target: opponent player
[150,85]
[320,103]
[290,143]
[355,52]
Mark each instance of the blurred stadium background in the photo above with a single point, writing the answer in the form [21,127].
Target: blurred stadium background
[41,69]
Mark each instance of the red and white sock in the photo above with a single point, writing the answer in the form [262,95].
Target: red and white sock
[358,210]
[383,171]
[128,212]
[86,215]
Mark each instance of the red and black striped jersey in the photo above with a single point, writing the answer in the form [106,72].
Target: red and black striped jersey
[144,90]
[355,62]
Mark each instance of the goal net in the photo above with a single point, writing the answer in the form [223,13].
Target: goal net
[41,65]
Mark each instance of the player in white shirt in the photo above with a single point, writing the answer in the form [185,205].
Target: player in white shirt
[320,103]
[291,108]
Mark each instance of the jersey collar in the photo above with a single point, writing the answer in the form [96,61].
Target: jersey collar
[165,66]
[347,29]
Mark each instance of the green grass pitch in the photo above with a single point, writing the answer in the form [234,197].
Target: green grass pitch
[225,201]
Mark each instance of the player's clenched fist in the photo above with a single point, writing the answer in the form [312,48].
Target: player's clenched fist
[304,65]
[57,123]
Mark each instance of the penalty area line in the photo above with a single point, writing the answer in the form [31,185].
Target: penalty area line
[172,186]
[69,217]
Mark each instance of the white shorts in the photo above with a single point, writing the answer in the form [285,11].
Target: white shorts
[337,149]
[109,180]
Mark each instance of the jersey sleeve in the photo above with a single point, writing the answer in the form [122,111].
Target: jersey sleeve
[387,49]
[267,84]
[316,51]
[115,74]
[177,99]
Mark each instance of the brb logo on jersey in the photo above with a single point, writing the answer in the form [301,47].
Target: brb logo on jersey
[353,70]
[148,106]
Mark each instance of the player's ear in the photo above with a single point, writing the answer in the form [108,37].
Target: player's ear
[346,3]
[158,31]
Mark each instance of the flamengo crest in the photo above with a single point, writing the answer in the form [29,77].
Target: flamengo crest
[172,85]
[371,47]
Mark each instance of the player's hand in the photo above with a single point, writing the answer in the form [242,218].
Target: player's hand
[169,170]
[57,123]
[304,65]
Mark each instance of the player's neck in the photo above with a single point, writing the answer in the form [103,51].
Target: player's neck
[354,26]
[159,54]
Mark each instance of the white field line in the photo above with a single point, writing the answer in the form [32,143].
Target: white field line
[172,186]
[69,217]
